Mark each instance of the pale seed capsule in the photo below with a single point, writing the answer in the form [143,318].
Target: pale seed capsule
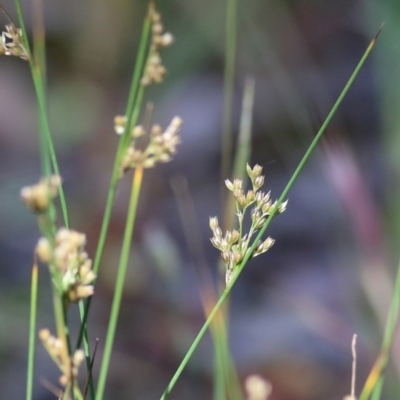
[213,223]
[229,185]
[237,184]
[44,250]
[177,122]
[119,124]
[259,247]
[44,335]
[260,223]
[266,208]
[268,243]
[225,256]
[257,169]
[237,257]
[218,232]
[258,182]
[249,171]
[84,291]
[259,197]
[77,239]
[242,201]
[224,245]
[79,356]
[149,163]
[156,130]
[138,131]
[157,29]
[167,39]
[282,207]
[216,242]
[62,235]
[250,196]
[235,236]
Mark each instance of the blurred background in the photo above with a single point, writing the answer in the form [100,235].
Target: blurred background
[330,273]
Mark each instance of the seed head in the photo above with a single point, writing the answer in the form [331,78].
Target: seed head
[258,182]
[39,197]
[213,223]
[12,43]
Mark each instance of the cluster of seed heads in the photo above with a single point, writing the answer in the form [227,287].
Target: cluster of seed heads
[11,43]
[59,353]
[234,245]
[162,145]
[39,197]
[70,260]
[64,253]
[155,71]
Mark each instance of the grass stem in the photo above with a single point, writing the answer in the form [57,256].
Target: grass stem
[268,221]
[229,79]
[32,330]
[375,378]
[126,245]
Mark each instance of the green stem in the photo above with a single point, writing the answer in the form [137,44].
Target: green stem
[229,76]
[374,381]
[47,146]
[126,245]
[32,331]
[268,221]
[132,112]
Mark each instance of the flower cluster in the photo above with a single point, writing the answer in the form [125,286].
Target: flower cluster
[11,43]
[59,353]
[39,197]
[234,245]
[70,261]
[160,148]
[154,70]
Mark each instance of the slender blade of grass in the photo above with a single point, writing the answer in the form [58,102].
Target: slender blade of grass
[48,154]
[268,221]
[226,374]
[32,330]
[229,76]
[132,112]
[219,338]
[375,378]
[119,286]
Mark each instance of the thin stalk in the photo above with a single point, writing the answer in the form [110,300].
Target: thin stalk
[231,378]
[47,151]
[119,286]
[375,378]
[32,330]
[226,378]
[219,382]
[268,221]
[243,149]
[229,76]
[132,112]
